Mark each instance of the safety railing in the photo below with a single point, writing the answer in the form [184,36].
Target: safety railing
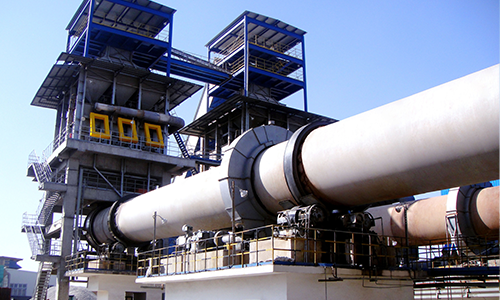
[145,30]
[278,67]
[171,147]
[465,268]
[35,234]
[36,237]
[293,51]
[127,183]
[310,247]
[467,252]
[290,246]
[90,261]
[218,57]
[43,172]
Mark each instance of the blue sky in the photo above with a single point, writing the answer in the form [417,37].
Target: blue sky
[360,54]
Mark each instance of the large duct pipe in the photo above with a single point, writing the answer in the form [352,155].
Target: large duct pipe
[175,123]
[443,137]
[426,220]
[446,136]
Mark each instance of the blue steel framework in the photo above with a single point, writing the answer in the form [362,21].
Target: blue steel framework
[260,52]
[253,52]
[143,28]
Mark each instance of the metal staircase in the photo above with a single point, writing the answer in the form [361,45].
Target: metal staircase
[47,205]
[43,172]
[181,144]
[42,280]
[34,231]
[183,149]
[34,225]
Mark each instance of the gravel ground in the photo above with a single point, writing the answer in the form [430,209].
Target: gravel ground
[79,293]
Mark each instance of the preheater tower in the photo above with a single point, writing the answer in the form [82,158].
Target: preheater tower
[113,113]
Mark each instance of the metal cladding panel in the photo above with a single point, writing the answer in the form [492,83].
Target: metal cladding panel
[65,71]
[144,11]
[221,43]
[58,80]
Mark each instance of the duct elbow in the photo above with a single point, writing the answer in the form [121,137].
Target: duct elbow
[174,123]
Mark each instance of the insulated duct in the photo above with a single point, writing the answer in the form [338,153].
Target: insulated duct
[443,137]
[174,123]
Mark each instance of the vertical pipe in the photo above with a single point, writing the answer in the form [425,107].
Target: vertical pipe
[217,137]
[113,95]
[59,117]
[78,214]
[80,102]
[149,176]
[62,123]
[166,110]
[122,178]
[154,232]
[139,98]
[233,227]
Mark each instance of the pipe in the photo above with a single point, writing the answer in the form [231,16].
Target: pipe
[427,218]
[195,201]
[175,123]
[443,137]
[446,136]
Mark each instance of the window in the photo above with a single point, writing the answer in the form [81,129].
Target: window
[18,289]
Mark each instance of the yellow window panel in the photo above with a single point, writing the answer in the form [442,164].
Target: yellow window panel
[157,140]
[127,130]
[97,122]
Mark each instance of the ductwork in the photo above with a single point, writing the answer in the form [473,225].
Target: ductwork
[174,123]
